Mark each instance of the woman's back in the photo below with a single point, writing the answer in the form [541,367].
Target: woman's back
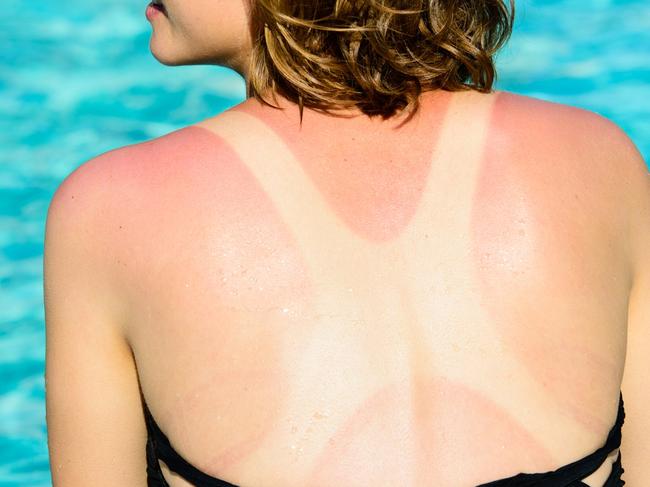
[351,303]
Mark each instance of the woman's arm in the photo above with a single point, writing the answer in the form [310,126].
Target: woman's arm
[96,431]
[635,447]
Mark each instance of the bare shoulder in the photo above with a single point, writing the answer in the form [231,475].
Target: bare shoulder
[564,122]
[114,209]
[85,200]
[105,177]
[122,178]
[578,137]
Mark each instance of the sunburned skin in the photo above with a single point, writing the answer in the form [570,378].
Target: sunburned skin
[532,223]
[253,270]
[330,307]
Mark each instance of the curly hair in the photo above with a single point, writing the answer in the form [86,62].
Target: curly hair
[374,55]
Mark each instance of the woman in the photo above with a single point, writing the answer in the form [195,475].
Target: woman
[393,276]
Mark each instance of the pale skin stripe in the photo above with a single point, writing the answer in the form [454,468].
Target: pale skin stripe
[319,231]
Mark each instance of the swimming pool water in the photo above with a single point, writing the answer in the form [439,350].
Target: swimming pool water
[77,80]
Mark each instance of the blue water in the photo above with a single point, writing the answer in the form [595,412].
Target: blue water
[77,80]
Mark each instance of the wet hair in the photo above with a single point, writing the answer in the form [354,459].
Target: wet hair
[374,55]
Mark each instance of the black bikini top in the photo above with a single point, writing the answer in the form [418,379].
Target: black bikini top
[571,475]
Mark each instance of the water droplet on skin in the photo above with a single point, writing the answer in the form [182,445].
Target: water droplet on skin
[285,310]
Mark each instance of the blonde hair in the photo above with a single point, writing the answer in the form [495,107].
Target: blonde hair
[374,55]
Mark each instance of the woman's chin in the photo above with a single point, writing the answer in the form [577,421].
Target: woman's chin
[166,56]
[167,61]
